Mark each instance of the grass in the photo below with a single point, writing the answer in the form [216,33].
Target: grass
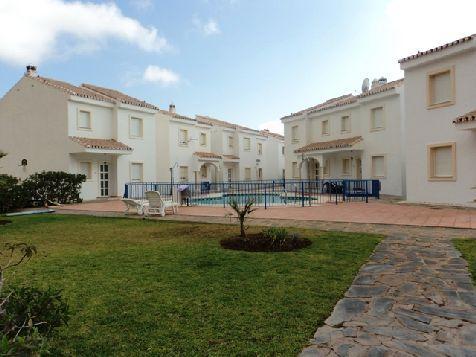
[467,247]
[147,287]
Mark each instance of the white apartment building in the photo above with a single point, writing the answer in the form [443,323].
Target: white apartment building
[206,149]
[113,139]
[440,129]
[351,136]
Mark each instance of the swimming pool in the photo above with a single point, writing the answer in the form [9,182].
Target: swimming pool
[259,199]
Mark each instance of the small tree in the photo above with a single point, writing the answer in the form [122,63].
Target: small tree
[243,212]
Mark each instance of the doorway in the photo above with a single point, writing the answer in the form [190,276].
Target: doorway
[358,169]
[104,179]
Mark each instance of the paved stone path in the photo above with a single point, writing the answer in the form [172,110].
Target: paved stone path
[414,298]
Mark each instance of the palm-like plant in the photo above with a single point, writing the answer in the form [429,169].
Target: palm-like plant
[243,212]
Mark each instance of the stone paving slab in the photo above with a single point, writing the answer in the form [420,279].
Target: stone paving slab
[413,298]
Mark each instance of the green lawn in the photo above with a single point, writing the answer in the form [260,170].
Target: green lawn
[147,287]
[467,247]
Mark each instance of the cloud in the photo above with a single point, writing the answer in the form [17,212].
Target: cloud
[274,126]
[32,31]
[207,28]
[423,24]
[156,74]
[142,4]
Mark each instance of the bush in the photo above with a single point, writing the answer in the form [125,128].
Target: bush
[54,187]
[12,194]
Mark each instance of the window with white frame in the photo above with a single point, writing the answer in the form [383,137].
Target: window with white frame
[442,162]
[346,166]
[441,88]
[203,139]
[183,137]
[136,127]
[183,173]
[230,141]
[295,134]
[203,171]
[295,169]
[85,168]
[247,144]
[378,166]
[377,119]
[247,173]
[345,124]
[84,120]
[137,172]
[260,149]
[327,167]
[325,127]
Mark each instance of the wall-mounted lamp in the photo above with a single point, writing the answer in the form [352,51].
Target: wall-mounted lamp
[24,162]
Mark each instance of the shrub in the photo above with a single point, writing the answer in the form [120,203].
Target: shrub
[12,195]
[29,307]
[54,187]
[242,212]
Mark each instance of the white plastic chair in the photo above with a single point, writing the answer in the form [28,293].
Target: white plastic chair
[133,205]
[157,205]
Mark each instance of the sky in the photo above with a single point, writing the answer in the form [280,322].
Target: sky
[250,62]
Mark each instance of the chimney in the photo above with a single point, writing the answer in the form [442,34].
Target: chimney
[30,71]
[375,83]
[172,108]
[382,80]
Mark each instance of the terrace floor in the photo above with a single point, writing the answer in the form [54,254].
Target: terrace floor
[374,212]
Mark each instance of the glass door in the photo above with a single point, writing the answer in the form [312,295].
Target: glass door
[104,179]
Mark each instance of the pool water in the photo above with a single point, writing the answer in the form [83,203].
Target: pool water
[258,199]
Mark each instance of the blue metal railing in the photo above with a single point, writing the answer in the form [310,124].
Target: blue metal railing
[264,193]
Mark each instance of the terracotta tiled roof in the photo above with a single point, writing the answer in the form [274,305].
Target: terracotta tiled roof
[175,115]
[119,96]
[437,49]
[106,144]
[383,88]
[204,119]
[471,116]
[328,104]
[71,89]
[207,155]
[231,157]
[333,144]
[269,133]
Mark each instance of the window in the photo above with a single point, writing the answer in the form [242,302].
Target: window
[203,139]
[346,166]
[136,128]
[230,174]
[85,168]
[442,162]
[247,173]
[282,150]
[378,166]
[84,120]
[136,172]
[295,170]
[247,144]
[183,173]
[203,171]
[441,88]
[295,134]
[376,119]
[325,127]
[183,137]
[260,173]
[327,167]
[260,149]
[230,141]
[284,174]
[345,124]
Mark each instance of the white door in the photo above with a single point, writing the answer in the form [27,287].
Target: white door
[230,175]
[104,179]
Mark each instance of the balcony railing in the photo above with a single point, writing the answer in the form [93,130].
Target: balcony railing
[264,193]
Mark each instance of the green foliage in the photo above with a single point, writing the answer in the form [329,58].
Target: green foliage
[278,236]
[12,195]
[243,212]
[172,290]
[54,187]
[30,307]
[467,247]
[33,344]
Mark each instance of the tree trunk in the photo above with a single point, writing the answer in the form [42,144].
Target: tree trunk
[242,227]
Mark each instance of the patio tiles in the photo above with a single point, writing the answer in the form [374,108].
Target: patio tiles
[354,212]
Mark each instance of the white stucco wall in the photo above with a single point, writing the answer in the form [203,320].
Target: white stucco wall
[432,126]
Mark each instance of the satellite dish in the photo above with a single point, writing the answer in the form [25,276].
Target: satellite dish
[365,85]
